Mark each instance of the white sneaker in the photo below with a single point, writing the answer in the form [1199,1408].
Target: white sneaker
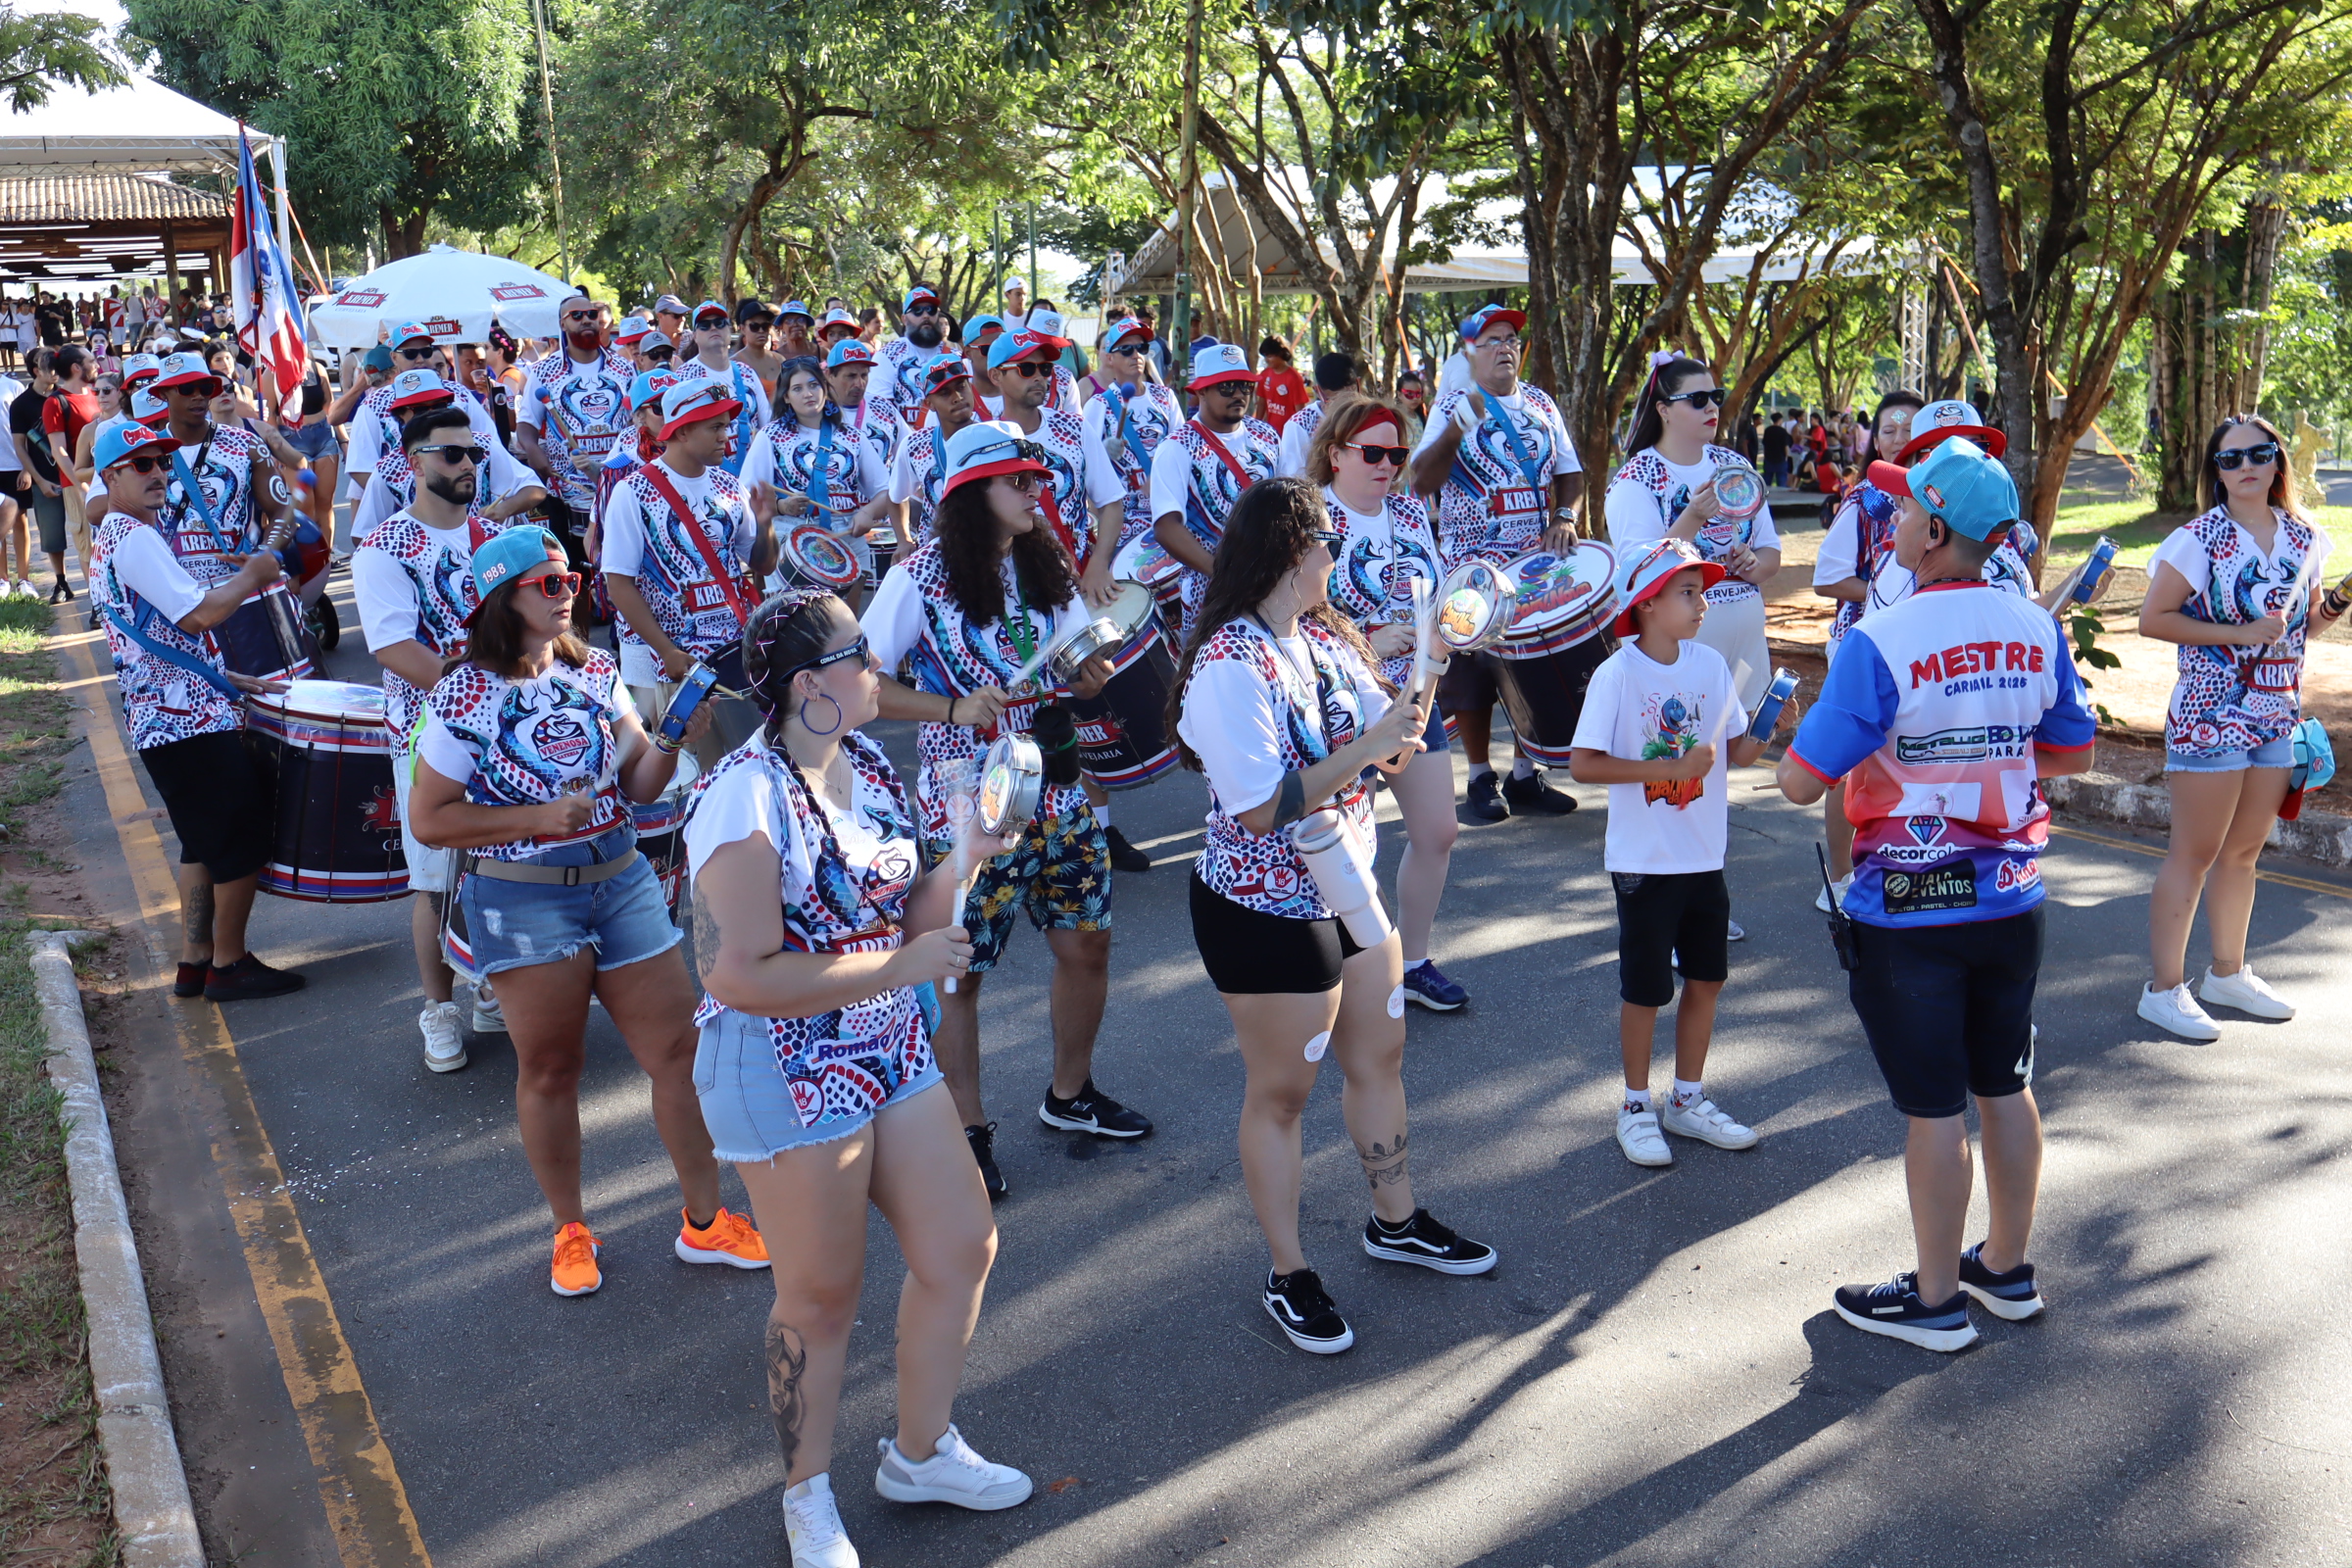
[1843,885]
[487,1018]
[953,1473]
[443,1037]
[2245,991]
[25,590]
[813,1526]
[1707,1122]
[2177,1011]
[1733,931]
[1638,1135]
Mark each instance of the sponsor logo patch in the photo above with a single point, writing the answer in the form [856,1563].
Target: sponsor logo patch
[1942,887]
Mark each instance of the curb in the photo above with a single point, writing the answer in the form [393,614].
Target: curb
[152,1508]
[2317,836]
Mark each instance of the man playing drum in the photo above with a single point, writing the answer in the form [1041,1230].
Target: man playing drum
[505,488]
[375,429]
[1129,418]
[184,708]
[922,472]
[1201,470]
[1496,456]
[414,587]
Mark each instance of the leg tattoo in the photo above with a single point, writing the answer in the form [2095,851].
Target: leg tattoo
[1384,1163]
[787,1363]
[196,914]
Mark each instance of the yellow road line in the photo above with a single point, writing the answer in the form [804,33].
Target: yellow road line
[2153,853]
[367,1506]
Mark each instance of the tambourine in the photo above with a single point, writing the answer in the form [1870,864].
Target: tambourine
[1775,698]
[1012,776]
[1101,635]
[822,558]
[2091,580]
[1739,492]
[698,684]
[1474,605]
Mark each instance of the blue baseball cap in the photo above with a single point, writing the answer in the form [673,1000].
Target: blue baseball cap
[918,295]
[1959,483]
[408,332]
[979,325]
[1122,329]
[943,372]
[649,387]
[1012,346]
[707,307]
[120,440]
[506,556]
[378,358]
[847,351]
[1486,316]
[799,308]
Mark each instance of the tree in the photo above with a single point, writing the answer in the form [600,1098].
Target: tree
[2210,341]
[41,50]
[390,108]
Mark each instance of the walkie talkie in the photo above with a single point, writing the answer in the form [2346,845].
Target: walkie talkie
[1841,929]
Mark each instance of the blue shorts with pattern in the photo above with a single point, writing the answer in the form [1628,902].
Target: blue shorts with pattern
[1061,873]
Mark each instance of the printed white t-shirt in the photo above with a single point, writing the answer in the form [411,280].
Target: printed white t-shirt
[1641,710]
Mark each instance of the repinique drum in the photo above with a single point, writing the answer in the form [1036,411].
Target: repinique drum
[323,747]
[268,638]
[815,557]
[1123,737]
[1547,657]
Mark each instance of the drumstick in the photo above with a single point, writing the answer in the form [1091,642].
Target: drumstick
[1722,720]
[1425,632]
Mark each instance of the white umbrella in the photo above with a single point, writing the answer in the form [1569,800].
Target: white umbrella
[454,294]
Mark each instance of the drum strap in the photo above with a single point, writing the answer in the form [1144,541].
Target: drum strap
[1494,409]
[178,658]
[1052,508]
[727,584]
[1127,433]
[195,493]
[823,474]
[1216,444]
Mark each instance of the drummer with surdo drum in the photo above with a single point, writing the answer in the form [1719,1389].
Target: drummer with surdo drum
[184,709]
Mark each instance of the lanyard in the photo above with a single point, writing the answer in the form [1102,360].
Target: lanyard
[1127,434]
[1016,626]
[823,476]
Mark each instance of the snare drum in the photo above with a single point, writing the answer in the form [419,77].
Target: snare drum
[1123,737]
[1547,657]
[814,557]
[268,638]
[323,747]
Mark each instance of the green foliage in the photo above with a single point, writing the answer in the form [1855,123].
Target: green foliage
[40,50]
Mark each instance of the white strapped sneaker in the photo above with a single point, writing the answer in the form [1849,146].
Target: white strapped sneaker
[2245,991]
[1843,886]
[1707,1122]
[1638,1135]
[953,1473]
[2177,1012]
[444,1036]
[813,1526]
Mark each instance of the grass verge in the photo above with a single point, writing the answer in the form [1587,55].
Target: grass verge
[2137,528]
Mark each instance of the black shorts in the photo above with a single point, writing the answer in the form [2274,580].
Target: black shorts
[218,801]
[1666,921]
[1950,1008]
[49,512]
[1468,685]
[1249,952]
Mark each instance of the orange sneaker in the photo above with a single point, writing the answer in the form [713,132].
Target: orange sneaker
[575,1271]
[730,1238]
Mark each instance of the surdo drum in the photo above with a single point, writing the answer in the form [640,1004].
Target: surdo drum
[323,747]
[1123,737]
[1541,665]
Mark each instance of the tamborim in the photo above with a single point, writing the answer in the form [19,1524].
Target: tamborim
[335,838]
[1738,491]
[1474,605]
[1012,776]
[817,559]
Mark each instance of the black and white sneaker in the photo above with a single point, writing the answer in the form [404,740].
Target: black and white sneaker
[983,1139]
[1090,1110]
[1896,1310]
[2012,1295]
[1125,856]
[1422,1240]
[1300,1304]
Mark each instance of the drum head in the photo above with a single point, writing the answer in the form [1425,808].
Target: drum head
[1141,560]
[822,558]
[1562,594]
[1010,778]
[344,698]
[1740,490]
[1130,610]
[1474,604]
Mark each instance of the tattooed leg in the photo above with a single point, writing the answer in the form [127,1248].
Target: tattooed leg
[787,1403]
[1384,1162]
[195,914]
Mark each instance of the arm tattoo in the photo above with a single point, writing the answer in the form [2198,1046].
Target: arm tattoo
[787,1364]
[196,912]
[1384,1163]
[707,937]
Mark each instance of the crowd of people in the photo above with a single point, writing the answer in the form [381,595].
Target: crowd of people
[692,555]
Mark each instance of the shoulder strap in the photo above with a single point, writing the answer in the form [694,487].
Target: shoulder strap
[701,543]
[195,492]
[175,657]
[1493,408]
[1241,476]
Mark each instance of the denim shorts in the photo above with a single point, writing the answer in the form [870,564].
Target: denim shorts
[2280,752]
[746,1104]
[314,439]
[513,925]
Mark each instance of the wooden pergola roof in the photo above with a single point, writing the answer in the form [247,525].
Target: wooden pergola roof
[94,227]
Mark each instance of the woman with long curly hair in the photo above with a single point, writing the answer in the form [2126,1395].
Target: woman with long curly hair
[812,932]
[1279,702]
[973,607]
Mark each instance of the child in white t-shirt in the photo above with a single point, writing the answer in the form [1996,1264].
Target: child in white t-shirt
[1653,730]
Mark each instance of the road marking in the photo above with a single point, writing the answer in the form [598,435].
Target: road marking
[367,1506]
[2153,853]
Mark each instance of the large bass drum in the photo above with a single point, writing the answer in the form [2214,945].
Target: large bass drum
[321,745]
[1546,656]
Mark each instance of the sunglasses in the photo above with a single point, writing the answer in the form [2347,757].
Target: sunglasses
[1706,397]
[146,463]
[425,352]
[583,319]
[704,323]
[856,650]
[1027,481]
[661,355]
[922,310]
[1395,455]
[1328,538]
[559,584]
[460,453]
[2259,454]
[1136,347]
[1030,369]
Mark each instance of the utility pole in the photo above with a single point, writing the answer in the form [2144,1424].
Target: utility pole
[1182,326]
[995,258]
[1033,255]
[554,162]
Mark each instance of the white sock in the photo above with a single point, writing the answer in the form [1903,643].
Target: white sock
[1688,1094]
[1102,814]
[1475,769]
[1523,768]
[1636,1100]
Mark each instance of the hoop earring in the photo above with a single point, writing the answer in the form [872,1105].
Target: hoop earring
[838,716]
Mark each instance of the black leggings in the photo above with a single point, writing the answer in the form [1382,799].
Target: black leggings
[1249,952]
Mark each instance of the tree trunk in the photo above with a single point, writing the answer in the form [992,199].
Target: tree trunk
[2209,341]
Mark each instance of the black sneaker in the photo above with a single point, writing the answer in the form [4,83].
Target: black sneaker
[1090,1110]
[1125,856]
[1422,1240]
[1896,1310]
[191,980]
[2011,1296]
[248,978]
[1486,798]
[1300,1304]
[984,1154]
[1532,793]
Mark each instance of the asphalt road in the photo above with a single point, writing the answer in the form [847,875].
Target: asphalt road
[1654,1375]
